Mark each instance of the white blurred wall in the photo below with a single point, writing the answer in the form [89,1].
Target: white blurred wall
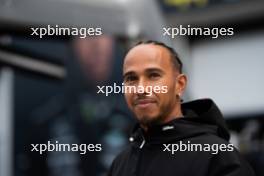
[6,122]
[230,71]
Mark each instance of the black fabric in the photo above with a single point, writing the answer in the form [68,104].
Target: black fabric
[202,123]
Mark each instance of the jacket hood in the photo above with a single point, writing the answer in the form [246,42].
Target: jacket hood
[200,117]
[205,111]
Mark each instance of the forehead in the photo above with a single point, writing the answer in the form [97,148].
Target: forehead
[147,56]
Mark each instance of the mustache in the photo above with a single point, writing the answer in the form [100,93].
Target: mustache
[144,99]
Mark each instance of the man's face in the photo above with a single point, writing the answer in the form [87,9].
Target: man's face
[150,65]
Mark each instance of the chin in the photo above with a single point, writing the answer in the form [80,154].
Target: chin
[148,120]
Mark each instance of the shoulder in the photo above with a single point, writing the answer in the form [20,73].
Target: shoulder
[224,158]
[123,155]
[209,138]
[227,159]
[120,160]
[231,163]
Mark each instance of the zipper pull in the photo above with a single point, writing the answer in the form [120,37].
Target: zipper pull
[143,143]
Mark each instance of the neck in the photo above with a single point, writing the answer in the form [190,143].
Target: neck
[176,113]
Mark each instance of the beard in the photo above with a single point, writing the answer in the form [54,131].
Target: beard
[150,121]
[159,118]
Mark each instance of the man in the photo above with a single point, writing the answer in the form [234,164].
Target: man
[189,139]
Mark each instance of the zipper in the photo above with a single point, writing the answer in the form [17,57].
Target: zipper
[139,157]
[142,143]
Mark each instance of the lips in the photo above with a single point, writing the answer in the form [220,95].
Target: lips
[144,103]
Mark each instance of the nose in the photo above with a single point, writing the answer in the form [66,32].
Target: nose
[141,87]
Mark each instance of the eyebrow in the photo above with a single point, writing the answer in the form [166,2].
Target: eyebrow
[148,70]
[128,73]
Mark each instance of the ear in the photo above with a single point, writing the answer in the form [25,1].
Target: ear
[181,82]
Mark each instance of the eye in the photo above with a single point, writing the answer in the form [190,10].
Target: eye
[154,75]
[130,78]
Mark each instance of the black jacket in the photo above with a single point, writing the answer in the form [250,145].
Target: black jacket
[151,154]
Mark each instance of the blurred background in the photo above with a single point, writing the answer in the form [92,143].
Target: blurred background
[48,86]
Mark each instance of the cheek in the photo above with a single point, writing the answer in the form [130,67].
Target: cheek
[171,87]
[165,99]
[167,82]
[167,88]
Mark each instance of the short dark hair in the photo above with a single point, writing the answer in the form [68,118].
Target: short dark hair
[174,55]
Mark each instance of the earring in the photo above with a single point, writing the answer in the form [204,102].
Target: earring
[179,96]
